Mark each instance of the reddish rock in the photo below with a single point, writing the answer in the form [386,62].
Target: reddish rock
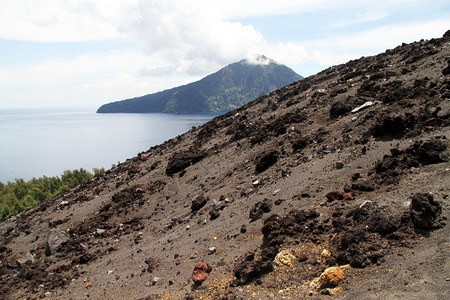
[334,195]
[348,196]
[337,195]
[200,273]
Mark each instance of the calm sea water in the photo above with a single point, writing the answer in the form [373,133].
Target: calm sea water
[34,143]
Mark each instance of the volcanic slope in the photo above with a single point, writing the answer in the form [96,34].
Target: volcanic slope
[346,169]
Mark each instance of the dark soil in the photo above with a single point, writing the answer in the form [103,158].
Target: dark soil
[267,197]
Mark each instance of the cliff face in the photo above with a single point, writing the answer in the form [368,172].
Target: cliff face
[227,89]
[346,169]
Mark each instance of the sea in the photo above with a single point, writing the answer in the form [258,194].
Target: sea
[38,142]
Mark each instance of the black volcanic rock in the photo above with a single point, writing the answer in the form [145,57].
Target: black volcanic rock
[192,196]
[227,89]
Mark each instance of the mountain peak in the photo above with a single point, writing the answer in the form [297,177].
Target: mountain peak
[227,89]
[258,59]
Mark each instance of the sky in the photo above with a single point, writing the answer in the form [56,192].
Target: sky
[84,53]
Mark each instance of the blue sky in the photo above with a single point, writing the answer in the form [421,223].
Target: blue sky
[83,53]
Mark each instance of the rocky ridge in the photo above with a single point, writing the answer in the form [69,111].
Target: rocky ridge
[333,185]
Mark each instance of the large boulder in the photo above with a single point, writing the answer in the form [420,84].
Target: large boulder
[56,238]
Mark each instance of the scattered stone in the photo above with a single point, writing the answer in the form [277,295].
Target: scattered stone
[28,259]
[424,211]
[152,264]
[332,276]
[348,196]
[429,152]
[284,257]
[181,160]
[246,271]
[260,208]
[393,125]
[198,202]
[243,228]
[56,238]
[339,165]
[334,291]
[249,255]
[446,71]
[200,273]
[278,201]
[376,218]
[366,186]
[364,106]
[299,144]
[325,253]
[212,250]
[364,203]
[63,204]
[338,195]
[247,192]
[339,108]
[214,213]
[155,280]
[315,283]
[266,160]
[334,195]
[356,176]
[276,228]
[444,110]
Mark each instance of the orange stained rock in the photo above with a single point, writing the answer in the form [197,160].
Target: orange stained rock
[332,276]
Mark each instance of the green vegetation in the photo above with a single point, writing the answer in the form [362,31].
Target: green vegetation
[19,195]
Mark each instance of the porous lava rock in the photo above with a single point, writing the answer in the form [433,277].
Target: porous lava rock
[200,273]
[425,211]
[332,276]
[181,160]
[266,160]
[260,208]
[198,202]
[246,271]
[339,108]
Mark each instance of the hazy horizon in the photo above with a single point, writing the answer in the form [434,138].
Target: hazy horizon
[47,142]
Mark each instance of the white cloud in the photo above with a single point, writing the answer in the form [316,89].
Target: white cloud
[63,21]
[192,36]
[380,38]
[179,41]
[88,80]
[287,53]
[88,20]
[312,56]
